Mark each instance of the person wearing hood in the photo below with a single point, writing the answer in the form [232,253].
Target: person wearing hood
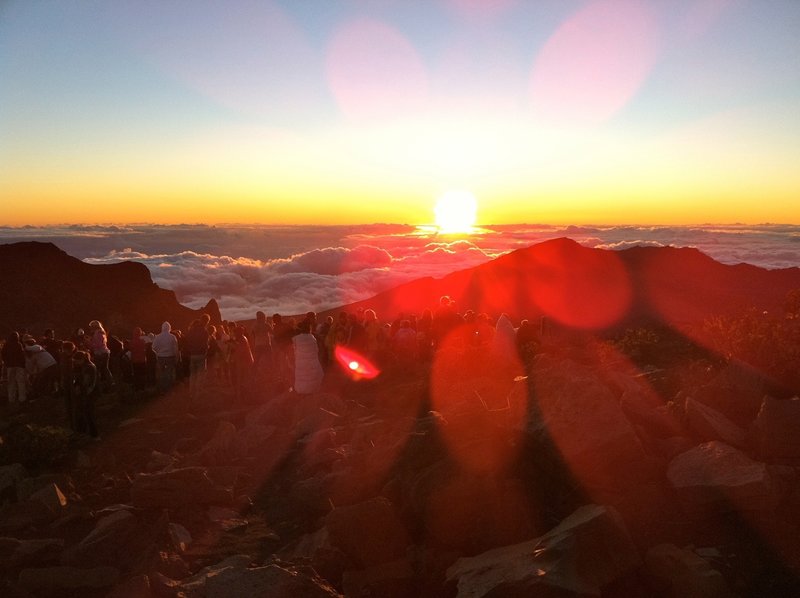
[41,366]
[13,356]
[165,346]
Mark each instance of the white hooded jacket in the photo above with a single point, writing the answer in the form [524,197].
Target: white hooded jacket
[37,359]
[166,343]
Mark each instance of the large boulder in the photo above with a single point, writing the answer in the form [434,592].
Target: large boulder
[586,551]
[587,425]
[778,428]
[709,424]
[178,488]
[51,498]
[736,392]
[715,474]
[119,539]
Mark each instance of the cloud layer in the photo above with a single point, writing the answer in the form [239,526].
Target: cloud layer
[296,269]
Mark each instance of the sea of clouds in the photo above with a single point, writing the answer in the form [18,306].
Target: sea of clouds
[294,269]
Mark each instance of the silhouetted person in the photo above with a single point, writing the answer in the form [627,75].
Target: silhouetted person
[165,346]
[84,392]
[197,341]
[321,333]
[116,349]
[101,354]
[282,334]
[50,344]
[262,343]
[404,343]
[67,382]
[138,350]
[14,359]
[241,361]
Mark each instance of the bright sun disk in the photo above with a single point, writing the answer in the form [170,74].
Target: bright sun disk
[456,212]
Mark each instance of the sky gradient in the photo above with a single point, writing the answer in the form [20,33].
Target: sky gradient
[332,112]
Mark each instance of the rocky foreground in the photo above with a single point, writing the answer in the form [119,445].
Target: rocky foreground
[572,477]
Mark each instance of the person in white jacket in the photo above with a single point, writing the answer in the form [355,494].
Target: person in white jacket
[308,371]
[165,346]
[41,366]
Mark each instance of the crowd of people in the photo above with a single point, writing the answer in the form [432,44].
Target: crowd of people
[278,352]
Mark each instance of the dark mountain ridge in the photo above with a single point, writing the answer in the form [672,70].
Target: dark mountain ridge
[44,287]
[596,289]
[572,285]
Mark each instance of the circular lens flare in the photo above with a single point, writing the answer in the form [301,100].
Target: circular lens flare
[355,364]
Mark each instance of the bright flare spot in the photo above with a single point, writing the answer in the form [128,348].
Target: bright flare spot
[456,212]
[355,364]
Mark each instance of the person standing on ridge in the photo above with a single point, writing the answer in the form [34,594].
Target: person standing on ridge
[165,346]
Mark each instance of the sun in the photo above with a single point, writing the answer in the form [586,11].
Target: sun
[456,212]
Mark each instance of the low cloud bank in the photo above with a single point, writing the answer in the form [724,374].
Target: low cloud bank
[315,280]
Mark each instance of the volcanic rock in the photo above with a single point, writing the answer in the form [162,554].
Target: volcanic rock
[179,487]
[710,424]
[119,539]
[715,474]
[51,497]
[587,425]
[586,551]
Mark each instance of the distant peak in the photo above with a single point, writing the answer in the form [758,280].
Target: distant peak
[32,248]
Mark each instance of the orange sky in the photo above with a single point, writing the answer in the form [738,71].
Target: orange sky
[552,112]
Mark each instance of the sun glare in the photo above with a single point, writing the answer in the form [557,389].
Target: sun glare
[456,212]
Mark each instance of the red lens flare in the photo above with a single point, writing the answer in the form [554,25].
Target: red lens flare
[355,364]
[580,287]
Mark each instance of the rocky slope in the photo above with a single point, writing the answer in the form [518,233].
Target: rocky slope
[571,476]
